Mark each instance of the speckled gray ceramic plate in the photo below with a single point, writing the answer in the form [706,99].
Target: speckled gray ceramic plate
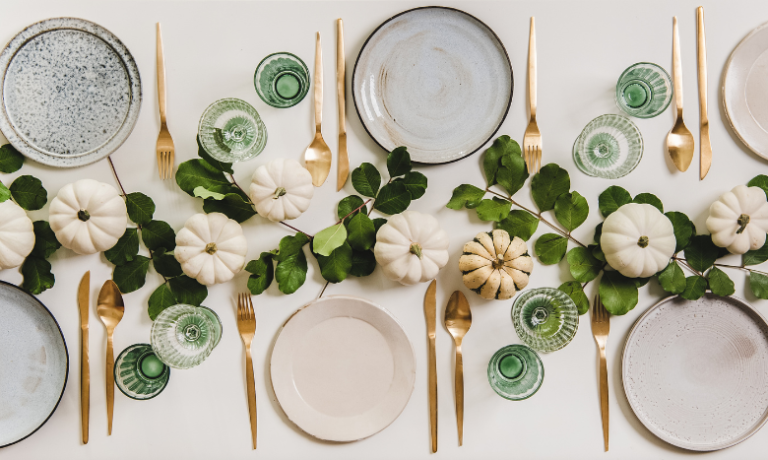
[71,92]
[435,80]
[34,364]
[696,372]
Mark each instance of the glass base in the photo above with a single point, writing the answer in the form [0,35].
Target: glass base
[139,374]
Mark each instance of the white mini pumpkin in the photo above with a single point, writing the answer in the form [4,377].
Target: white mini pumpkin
[281,189]
[17,235]
[411,248]
[211,248]
[637,240]
[495,265]
[88,216]
[738,220]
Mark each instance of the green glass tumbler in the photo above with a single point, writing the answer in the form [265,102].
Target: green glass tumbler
[231,130]
[515,372]
[281,80]
[644,90]
[139,374]
[183,336]
[546,319]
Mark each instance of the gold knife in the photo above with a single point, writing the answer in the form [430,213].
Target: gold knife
[341,89]
[430,311]
[705,157]
[83,301]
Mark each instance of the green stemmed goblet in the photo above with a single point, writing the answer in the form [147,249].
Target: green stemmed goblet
[546,319]
[183,336]
[231,130]
[609,147]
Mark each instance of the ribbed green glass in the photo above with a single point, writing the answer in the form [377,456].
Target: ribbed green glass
[546,319]
[281,80]
[231,130]
[139,374]
[644,90]
[183,336]
[610,146]
[515,372]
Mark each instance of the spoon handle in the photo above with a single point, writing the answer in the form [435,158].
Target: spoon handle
[677,68]
[318,84]
[110,383]
[460,393]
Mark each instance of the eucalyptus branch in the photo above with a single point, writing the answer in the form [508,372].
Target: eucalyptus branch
[685,264]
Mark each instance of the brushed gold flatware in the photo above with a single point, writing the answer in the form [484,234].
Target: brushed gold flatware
[705,146]
[110,309]
[532,145]
[601,326]
[341,89]
[317,157]
[166,152]
[430,312]
[458,319]
[83,303]
[679,140]
[246,325]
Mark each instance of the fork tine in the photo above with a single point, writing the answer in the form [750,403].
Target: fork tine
[239,308]
[538,155]
[250,306]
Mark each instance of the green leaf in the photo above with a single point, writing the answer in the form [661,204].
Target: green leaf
[363,263]
[140,207]
[720,283]
[597,252]
[640,282]
[10,159]
[571,210]
[760,181]
[187,290]
[329,239]
[131,275]
[4,193]
[416,183]
[378,222]
[759,285]
[262,272]
[583,266]
[576,293]
[618,293]
[198,173]
[366,179]
[393,198]
[546,186]
[672,278]
[166,265]
[291,271]
[550,248]
[158,234]
[512,174]
[204,193]
[612,199]
[337,265]
[362,233]
[37,275]
[126,248]
[598,232]
[398,162]
[160,299]
[45,240]
[290,246]
[465,195]
[233,206]
[349,204]
[695,287]
[649,198]
[29,193]
[519,223]
[495,209]
[683,229]
[701,253]
[755,257]
[502,154]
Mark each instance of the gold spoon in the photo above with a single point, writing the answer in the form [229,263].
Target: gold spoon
[110,310]
[318,156]
[458,319]
[680,139]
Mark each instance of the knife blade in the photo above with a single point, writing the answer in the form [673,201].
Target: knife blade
[341,89]
[83,301]
[705,152]
[430,311]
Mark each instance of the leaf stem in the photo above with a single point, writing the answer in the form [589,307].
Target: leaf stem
[323,291]
[685,263]
[354,211]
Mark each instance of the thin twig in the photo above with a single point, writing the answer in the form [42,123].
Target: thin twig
[354,211]
[323,291]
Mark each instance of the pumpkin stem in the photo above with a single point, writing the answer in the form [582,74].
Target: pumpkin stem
[498,262]
[743,220]
[279,191]
[416,249]
[643,241]
[210,248]
[84,216]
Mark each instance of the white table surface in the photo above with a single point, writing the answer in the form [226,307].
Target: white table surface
[212,49]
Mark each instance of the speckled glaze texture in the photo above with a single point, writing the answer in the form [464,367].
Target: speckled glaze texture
[71,92]
[696,372]
[34,364]
[435,80]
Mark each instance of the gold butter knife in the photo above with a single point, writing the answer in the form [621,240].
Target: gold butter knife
[705,158]
[83,301]
[430,311]
[341,89]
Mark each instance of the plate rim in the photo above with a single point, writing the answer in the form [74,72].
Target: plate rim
[5,284]
[456,10]
[743,437]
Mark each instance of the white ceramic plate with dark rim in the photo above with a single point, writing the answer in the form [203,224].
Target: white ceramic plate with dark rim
[34,364]
[436,80]
[342,368]
[70,90]
[696,372]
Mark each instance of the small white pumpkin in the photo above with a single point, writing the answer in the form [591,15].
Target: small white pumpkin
[17,235]
[637,240]
[281,189]
[495,266]
[738,220]
[88,216]
[411,248]
[211,248]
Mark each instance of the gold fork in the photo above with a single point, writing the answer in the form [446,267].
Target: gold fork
[601,326]
[532,138]
[165,149]
[246,325]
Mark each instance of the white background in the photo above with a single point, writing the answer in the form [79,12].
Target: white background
[212,50]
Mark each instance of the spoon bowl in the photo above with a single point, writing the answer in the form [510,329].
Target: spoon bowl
[680,144]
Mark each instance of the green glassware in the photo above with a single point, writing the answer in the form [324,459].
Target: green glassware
[546,319]
[139,374]
[281,80]
[183,336]
[644,90]
[216,321]
[610,146]
[515,372]
[231,130]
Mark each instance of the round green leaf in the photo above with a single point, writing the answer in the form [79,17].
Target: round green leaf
[378,222]
[187,290]
[618,293]
[233,205]
[5,194]
[760,181]
[571,210]
[512,173]
[131,275]
[416,183]
[166,265]
[366,179]
[45,240]
[583,266]
[262,272]
[720,283]
[140,207]
[683,228]
[291,245]
[466,195]
[755,257]
[503,147]
[158,234]
[546,186]
[612,199]
[701,253]
[519,223]
[393,198]
[493,210]
[672,278]
[329,239]
[29,193]
[198,173]
[758,283]
[126,248]
[10,159]
[362,233]
[398,162]
[576,293]
[348,204]
[37,275]
[160,299]
[695,287]
[204,193]
[337,265]
[649,198]
[291,271]
[550,248]
[363,263]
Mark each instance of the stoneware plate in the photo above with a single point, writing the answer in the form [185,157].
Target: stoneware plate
[34,364]
[745,90]
[71,92]
[342,368]
[435,80]
[696,372]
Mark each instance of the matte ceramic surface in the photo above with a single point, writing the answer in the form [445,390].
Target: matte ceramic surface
[136,377]
[281,80]
[435,80]
[644,90]
[696,372]
[342,368]
[231,130]
[610,146]
[515,372]
[71,92]
[745,90]
[545,318]
[34,364]
[183,336]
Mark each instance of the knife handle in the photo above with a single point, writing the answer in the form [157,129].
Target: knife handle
[110,383]
[702,65]
[341,75]
[432,392]
[85,383]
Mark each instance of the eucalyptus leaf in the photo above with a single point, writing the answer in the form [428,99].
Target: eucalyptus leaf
[598,232]
[597,252]
[378,222]
[336,267]
[204,193]
[649,198]
[5,194]
[198,173]
[291,271]
[701,253]
[329,239]
[262,272]
[466,195]
[161,298]
[131,275]
[612,199]
[393,198]
[495,209]
[583,265]
[362,233]
[166,265]
[140,207]
[363,263]
[571,210]
[546,186]
[233,205]
[366,179]
[493,159]
[398,162]
[126,248]
[187,290]
[683,228]
[29,193]
[348,204]
[416,183]
[10,159]
[576,293]
[618,293]
[519,223]
[695,287]
[512,173]
[760,181]
[290,246]
[37,275]
[720,283]
[755,257]
[45,240]
[672,278]
[550,248]
[158,234]
[640,282]
[221,166]
[758,283]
